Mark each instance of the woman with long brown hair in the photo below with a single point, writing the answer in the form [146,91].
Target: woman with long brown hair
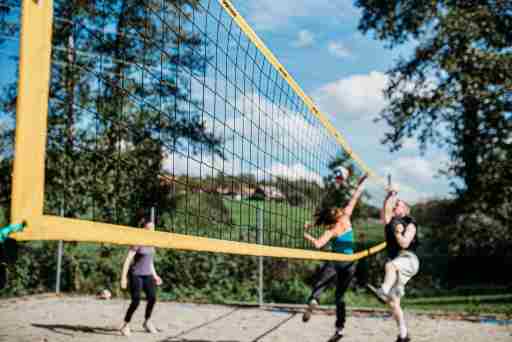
[339,233]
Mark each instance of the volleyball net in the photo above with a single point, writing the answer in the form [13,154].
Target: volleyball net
[175,108]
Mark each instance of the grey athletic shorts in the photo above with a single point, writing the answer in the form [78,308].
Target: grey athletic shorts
[408,266]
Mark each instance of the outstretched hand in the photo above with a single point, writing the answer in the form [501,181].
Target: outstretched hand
[392,192]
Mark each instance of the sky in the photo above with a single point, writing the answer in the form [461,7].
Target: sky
[343,71]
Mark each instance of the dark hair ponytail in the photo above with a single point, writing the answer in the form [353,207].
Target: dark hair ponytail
[325,216]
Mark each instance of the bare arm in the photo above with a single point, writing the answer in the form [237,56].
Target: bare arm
[158,280]
[404,239]
[153,271]
[126,267]
[321,241]
[386,213]
[355,197]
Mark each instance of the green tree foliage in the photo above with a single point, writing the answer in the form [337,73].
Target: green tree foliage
[454,91]
[298,192]
[111,119]
[112,116]
[8,28]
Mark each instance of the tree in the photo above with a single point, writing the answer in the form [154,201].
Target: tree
[120,102]
[454,91]
[8,29]
[112,118]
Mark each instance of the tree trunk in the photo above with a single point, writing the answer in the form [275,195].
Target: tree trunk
[470,148]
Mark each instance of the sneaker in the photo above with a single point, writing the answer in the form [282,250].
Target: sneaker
[338,335]
[405,339]
[125,330]
[382,296]
[149,327]
[309,310]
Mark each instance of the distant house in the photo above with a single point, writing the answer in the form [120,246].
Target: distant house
[246,191]
[269,192]
[223,190]
[181,186]
[236,191]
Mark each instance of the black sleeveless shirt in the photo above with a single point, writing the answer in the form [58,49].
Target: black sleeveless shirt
[393,248]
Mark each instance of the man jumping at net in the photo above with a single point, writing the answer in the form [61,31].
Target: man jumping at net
[402,264]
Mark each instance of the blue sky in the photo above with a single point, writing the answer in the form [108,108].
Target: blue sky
[344,72]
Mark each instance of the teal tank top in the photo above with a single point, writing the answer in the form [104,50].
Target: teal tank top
[343,243]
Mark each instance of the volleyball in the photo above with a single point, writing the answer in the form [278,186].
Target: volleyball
[104,294]
[341,173]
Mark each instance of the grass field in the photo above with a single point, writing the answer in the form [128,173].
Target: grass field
[283,224]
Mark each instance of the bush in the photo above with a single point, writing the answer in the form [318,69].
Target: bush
[32,272]
[293,290]
[296,199]
[207,277]
[3,217]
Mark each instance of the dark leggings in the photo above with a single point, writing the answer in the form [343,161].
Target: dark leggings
[342,272]
[322,280]
[345,271]
[146,283]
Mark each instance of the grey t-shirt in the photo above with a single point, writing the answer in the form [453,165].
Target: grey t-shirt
[143,260]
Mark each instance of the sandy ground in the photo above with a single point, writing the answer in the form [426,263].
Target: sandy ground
[50,318]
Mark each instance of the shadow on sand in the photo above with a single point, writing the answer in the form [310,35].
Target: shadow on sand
[68,329]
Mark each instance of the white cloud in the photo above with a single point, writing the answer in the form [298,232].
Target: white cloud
[415,168]
[353,97]
[262,134]
[285,126]
[338,49]
[305,38]
[415,176]
[272,14]
[295,172]
[180,164]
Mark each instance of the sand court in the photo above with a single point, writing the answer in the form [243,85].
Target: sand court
[56,319]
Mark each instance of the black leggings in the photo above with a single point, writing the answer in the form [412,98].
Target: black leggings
[322,280]
[345,271]
[146,283]
[342,272]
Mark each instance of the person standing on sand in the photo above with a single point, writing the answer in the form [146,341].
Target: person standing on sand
[139,273]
